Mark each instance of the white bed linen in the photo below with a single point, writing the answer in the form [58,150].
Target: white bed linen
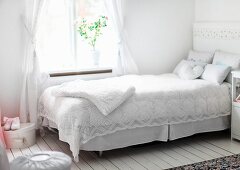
[105,94]
[158,100]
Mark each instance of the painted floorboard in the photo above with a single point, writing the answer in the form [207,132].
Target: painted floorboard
[153,156]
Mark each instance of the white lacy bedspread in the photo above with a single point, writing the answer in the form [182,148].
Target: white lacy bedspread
[105,94]
[158,100]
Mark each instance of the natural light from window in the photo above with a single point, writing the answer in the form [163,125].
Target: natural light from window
[60,46]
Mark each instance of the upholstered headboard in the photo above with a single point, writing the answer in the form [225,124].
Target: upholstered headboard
[217,36]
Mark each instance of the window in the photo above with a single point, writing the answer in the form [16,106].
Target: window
[60,46]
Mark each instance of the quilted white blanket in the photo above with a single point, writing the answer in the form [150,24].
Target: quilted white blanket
[105,94]
[158,100]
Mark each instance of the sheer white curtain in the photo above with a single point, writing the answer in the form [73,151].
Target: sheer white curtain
[32,77]
[55,46]
[125,63]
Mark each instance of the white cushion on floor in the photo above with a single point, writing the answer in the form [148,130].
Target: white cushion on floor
[42,161]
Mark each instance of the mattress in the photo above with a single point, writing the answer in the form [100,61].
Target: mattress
[159,100]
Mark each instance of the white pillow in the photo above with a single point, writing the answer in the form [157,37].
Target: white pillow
[197,56]
[228,59]
[216,73]
[179,66]
[189,70]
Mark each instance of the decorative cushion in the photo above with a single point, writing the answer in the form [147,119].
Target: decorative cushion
[42,161]
[228,59]
[215,73]
[192,63]
[197,56]
[189,70]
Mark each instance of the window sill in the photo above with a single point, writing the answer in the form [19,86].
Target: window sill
[81,72]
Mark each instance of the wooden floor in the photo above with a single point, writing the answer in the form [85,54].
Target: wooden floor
[156,155]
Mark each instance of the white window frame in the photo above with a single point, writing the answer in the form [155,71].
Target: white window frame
[100,70]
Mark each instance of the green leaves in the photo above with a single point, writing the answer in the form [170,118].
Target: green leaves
[90,31]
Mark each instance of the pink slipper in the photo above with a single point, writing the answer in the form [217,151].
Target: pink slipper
[4,120]
[8,124]
[15,123]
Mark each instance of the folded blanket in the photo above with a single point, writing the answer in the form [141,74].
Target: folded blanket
[105,94]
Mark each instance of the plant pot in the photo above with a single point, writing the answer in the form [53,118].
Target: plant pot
[95,56]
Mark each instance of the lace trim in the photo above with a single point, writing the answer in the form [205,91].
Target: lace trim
[89,132]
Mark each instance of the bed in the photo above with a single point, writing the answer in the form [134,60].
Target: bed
[163,107]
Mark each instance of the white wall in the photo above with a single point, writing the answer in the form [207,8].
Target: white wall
[10,55]
[160,33]
[217,10]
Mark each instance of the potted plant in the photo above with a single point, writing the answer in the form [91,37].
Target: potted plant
[90,29]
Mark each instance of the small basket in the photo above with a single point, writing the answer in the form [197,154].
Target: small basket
[21,138]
